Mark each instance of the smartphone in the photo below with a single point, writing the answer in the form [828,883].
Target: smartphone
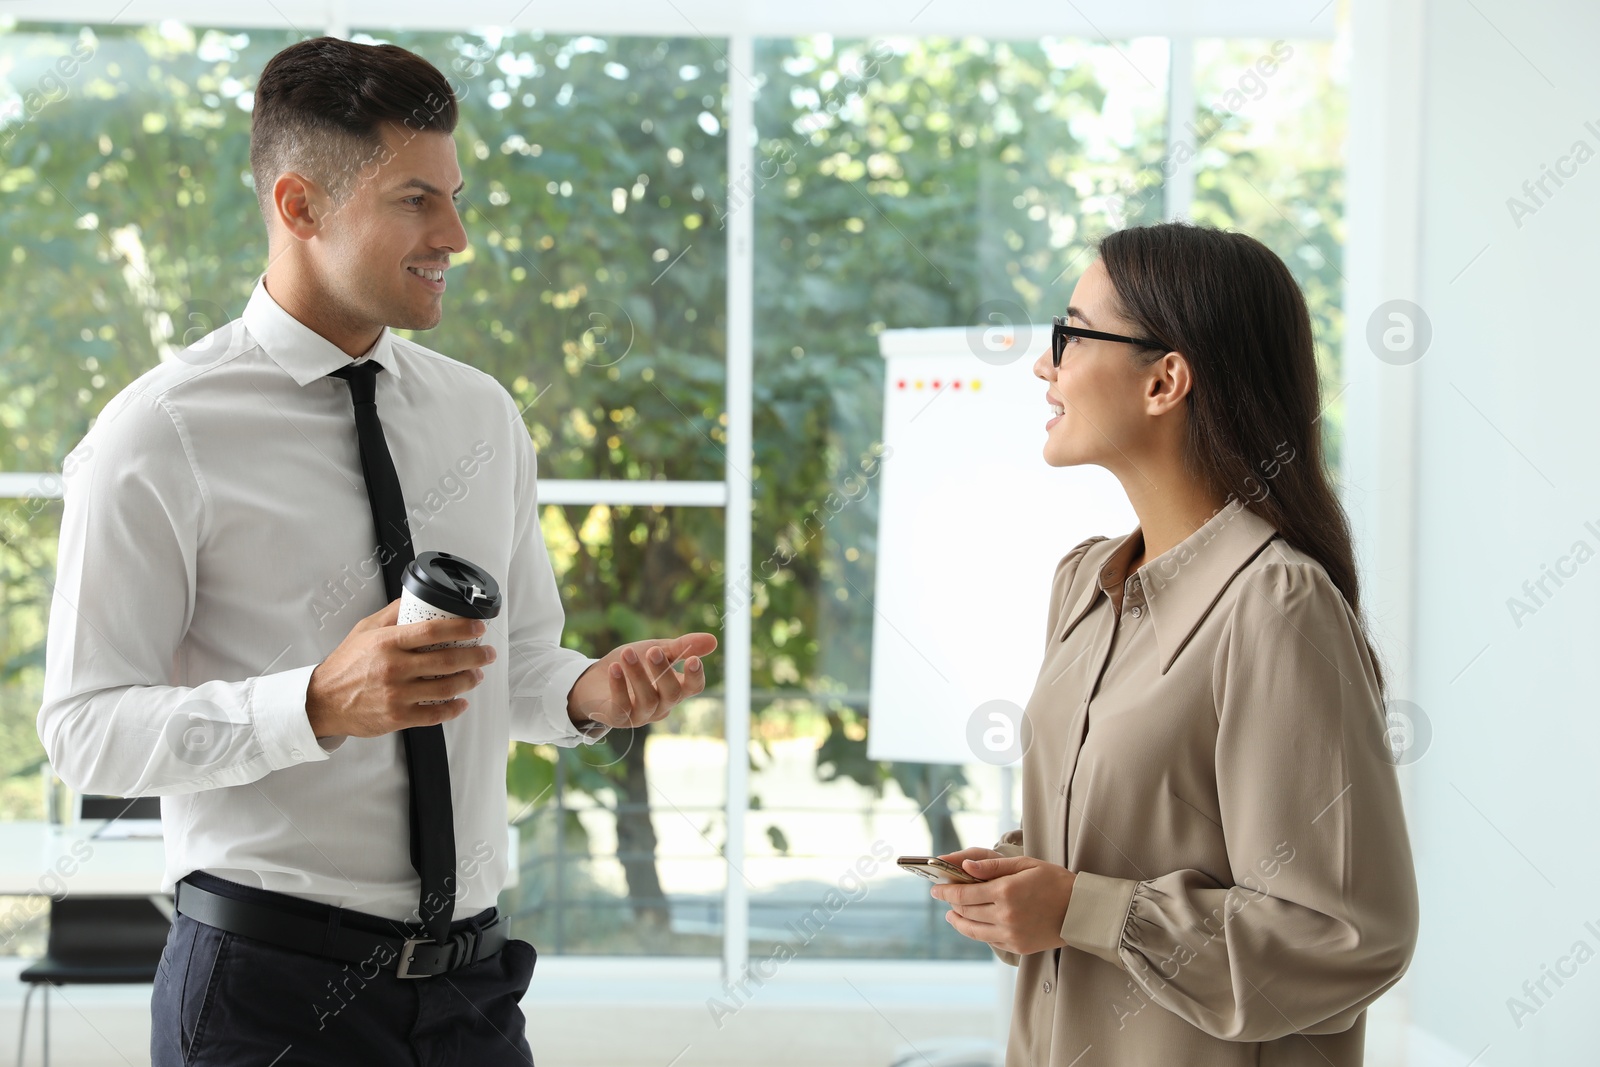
[935,869]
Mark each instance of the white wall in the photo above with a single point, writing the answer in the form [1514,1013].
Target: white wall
[1472,469]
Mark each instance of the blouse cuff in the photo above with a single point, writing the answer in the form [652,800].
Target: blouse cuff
[1097,913]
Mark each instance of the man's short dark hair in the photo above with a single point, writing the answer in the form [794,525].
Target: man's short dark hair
[320,106]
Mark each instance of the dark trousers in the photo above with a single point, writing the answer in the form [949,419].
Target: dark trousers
[225,999]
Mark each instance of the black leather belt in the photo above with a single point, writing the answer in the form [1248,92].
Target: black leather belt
[335,933]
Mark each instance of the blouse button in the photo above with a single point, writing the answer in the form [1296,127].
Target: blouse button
[1137,611]
[1047,986]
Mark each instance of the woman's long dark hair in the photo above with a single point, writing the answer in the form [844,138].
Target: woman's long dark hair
[1232,308]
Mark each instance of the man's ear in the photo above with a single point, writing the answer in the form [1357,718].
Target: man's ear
[1168,381]
[299,205]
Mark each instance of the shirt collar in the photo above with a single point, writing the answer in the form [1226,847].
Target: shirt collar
[302,352]
[1181,585]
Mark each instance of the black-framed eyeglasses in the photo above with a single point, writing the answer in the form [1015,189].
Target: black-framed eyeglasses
[1061,331]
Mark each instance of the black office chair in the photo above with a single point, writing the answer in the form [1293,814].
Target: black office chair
[92,806]
[95,940]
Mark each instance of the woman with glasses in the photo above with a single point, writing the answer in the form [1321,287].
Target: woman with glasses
[1213,866]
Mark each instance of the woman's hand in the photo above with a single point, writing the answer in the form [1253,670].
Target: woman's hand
[1018,908]
[965,854]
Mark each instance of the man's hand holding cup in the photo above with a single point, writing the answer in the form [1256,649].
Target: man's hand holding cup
[376,681]
[408,664]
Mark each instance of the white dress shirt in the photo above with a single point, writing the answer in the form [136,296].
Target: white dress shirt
[217,544]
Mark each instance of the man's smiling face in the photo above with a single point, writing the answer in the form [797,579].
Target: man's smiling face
[386,247]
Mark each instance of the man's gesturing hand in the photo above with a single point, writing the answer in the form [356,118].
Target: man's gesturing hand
[371,684]
[636,683]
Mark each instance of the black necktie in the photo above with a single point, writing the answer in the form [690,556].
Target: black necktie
[433,837]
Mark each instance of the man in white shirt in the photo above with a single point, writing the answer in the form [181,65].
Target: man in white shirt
[222,634]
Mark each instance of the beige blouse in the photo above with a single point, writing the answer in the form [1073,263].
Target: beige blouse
[1208,754]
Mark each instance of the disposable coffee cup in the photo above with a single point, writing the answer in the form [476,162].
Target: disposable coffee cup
[438,585]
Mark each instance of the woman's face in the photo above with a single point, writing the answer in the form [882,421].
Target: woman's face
[1098,392]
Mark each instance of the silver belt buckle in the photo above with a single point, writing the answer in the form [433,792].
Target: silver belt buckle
[407,954]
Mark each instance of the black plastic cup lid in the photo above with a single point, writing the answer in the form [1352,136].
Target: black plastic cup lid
[453,584]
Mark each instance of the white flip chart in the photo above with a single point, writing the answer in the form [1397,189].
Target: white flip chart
[972,523]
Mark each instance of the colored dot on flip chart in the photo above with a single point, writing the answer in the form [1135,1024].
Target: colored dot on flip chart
[901,384]
[919,385]
[956,384]
[976,385]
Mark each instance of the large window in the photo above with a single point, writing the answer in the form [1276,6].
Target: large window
[1270,117]
[595,291]
[897,183]
[893,182]
[125,227]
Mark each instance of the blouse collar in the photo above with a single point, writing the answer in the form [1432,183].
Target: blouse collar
[1182,584]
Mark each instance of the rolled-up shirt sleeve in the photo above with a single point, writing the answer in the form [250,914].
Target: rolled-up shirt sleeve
[134,513]
[1318,915]
[541,672]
